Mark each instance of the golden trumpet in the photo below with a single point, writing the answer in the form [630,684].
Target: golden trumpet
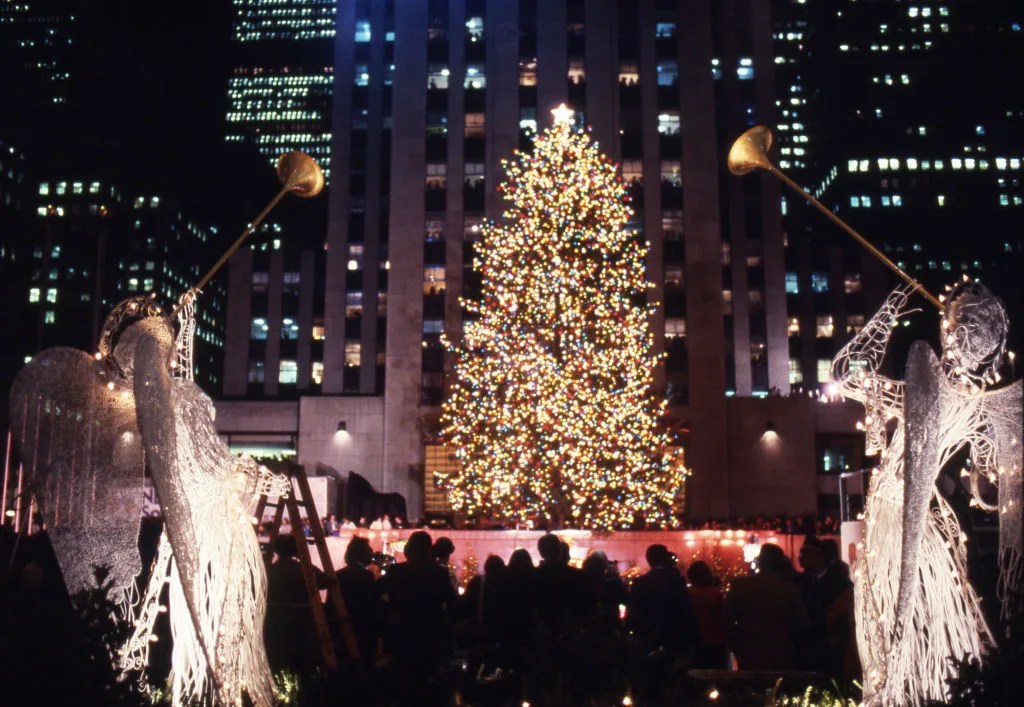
[750,152]
[299,174]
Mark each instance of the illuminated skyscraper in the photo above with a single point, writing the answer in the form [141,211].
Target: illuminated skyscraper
[280,89]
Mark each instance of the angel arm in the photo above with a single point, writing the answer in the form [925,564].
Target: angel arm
[861,358]
[855,371]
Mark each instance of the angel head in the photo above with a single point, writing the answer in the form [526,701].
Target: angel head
[974,331]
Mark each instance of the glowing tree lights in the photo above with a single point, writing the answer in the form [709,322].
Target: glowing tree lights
[551,412]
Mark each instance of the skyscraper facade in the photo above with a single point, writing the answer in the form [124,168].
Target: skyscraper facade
[427,98]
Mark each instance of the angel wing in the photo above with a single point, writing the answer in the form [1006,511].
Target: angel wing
[74,425]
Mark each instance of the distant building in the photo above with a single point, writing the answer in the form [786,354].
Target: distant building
[88,247]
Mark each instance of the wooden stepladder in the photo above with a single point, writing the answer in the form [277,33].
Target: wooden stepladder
[302,500]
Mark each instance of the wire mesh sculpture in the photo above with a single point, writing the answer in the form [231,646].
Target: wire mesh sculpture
[915,606]
[72,411]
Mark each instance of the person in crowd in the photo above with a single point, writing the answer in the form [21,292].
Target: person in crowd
[835,590]
[556,586]
[289,633]
[362,601]
[661,621]
[659,610]
[813,647]
[419,600]
[603,590]
[441,553]
[517,626]
[330,526]
[708,606]
[765,615]
[482,614]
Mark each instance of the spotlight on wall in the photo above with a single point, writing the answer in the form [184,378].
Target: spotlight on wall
[770,440]
[341,436]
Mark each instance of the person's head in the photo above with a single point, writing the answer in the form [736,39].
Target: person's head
[443,549]
[700,574]
[284,546]
[493,565]
[771,558]
[520,560]
[656,555]
[974,330]
[550,548]
[417,547]
[812,555]
[596,564]
[358,551]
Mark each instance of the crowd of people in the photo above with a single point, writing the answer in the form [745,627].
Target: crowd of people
[553,633]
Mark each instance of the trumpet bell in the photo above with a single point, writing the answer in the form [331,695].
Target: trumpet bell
[750,151]
[300,174]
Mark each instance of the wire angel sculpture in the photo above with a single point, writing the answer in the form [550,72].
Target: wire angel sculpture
[915,606]
[86,429]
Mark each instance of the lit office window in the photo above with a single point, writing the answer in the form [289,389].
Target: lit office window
[255,372]
[819,282]
[665,30]
[668,123]
[437,76]
[475,29]
[258,328]
[675,327]
[288,373]
[792,284]
[796,375]
[33,294]
[745,70]
[668,72]
[289,329]
[362,33]
[353,303]
[476,77]
[824,370]
[823,327]
[475,125]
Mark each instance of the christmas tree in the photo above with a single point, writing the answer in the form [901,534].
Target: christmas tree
[551,412]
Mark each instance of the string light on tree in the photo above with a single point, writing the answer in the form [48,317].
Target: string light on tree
[551,411]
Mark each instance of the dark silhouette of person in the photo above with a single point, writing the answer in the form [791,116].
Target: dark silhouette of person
[765,615]
[290,633]
[663,626]
[419,601]
[483,613]
[814,649]
[556,596]
[556,586]
[660,613]
[708,605]
[442,553]
[362,600]
[600,666]
[836,590]
[519,619]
